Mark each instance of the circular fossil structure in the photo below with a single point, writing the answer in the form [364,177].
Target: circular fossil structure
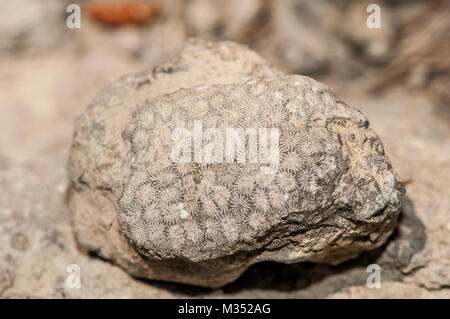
[215,161]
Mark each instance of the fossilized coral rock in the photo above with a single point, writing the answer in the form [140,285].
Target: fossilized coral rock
[332,196]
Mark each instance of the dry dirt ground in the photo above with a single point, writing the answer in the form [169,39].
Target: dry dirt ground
[42,92]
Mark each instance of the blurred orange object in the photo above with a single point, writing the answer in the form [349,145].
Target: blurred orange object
[123,12]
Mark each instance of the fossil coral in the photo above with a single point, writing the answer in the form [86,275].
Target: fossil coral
[332,196]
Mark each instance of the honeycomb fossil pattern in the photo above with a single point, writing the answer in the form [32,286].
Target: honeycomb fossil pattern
[333,196]
[190,209]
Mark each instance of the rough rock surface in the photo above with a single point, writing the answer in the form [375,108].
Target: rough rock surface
[333,196]
[414,262]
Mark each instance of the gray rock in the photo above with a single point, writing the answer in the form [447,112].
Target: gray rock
[332,196]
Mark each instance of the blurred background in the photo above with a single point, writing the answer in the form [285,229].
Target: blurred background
[398,75]
[49,72]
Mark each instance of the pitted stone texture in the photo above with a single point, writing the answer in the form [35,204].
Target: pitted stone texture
[333,196]
[330,165]
[99,157]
